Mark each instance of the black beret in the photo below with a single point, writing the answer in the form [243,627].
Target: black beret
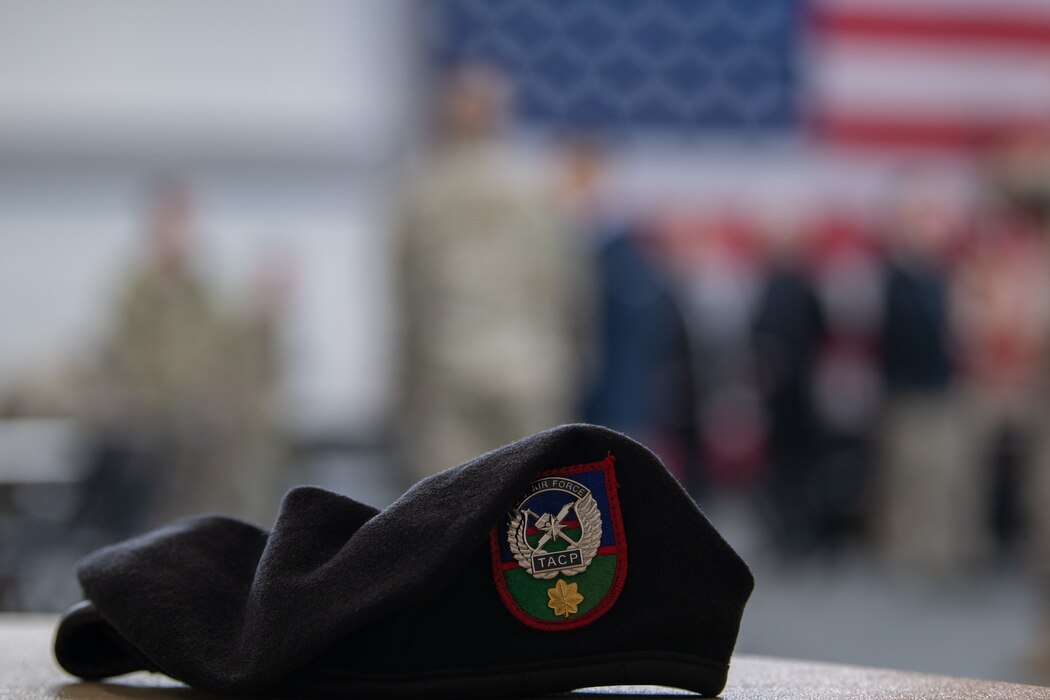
[567,559]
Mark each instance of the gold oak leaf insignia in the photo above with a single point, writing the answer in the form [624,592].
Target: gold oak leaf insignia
[564,598]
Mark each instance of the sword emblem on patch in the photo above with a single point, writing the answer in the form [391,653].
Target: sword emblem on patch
[546,544]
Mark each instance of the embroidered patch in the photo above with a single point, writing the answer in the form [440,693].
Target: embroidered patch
[559,557]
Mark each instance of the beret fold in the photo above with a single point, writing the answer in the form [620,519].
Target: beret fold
[340,598]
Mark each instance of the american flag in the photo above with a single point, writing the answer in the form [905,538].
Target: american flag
[926,73]
[888,74]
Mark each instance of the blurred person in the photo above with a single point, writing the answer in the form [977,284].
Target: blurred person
[715,258]
[642,381]
[929,509]
[257,450]
[1004,315]
[788,331]
[486,277]
[162,401]
[1019,174]
[848,378]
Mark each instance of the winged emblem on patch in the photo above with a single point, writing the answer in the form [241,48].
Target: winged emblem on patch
[558,540]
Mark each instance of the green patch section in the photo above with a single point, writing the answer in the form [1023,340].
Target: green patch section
[531,593]
[551,546]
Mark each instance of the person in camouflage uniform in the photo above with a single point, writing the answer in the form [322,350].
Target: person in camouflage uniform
[486,279]
[178,388]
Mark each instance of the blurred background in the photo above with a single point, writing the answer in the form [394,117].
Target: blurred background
[799,248]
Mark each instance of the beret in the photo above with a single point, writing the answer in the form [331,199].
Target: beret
[568,559]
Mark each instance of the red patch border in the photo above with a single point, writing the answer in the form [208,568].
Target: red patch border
[612,488]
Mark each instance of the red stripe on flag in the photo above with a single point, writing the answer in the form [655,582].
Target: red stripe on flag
[910,131]
[947,26]
[883,131]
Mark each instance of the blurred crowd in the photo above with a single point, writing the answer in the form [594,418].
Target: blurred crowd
[863,379]
[870,381]
[870,377]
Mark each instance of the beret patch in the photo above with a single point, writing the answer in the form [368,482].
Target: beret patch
[559,557]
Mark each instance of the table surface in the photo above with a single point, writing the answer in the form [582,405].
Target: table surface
[28,672]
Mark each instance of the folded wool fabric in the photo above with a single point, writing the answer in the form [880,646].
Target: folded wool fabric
[564,560]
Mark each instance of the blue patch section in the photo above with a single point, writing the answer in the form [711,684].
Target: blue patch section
[679,65]
[552,501]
